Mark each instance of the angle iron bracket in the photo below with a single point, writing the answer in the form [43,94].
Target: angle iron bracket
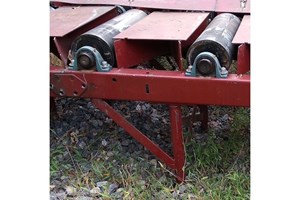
[67,85]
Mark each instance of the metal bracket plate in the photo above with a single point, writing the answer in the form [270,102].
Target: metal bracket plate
[67,85]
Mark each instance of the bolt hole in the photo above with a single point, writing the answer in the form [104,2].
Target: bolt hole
[51,86]
[147,89]
[83,86]
[56,77]
[75,93]
[114,79]
[61,92]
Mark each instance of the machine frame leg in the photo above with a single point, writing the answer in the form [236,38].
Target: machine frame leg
[177,141]
[176,162]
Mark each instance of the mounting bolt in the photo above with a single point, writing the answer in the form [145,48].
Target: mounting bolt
[104,65]
[61,92]
[71,63]
[188,71]
[189,68]
[223,71]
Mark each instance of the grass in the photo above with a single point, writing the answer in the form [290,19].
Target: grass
[219,168]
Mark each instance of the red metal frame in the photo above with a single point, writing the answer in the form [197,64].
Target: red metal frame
[173,88]
[242,38]
[177,141]
[155,86]
[176,163]
[200,5]
[169,87]
[243,59]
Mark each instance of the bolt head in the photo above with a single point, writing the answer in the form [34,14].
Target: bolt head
[189,68]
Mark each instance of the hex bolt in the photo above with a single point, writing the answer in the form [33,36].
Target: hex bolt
[189,68]
[224,70]
[61,92]
[104,65]
[71,63]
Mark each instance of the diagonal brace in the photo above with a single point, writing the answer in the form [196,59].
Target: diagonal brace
[134,132]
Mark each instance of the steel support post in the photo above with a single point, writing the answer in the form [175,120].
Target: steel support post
[177,141]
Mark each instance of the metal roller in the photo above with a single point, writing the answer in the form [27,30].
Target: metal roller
[101,39]
[215,40]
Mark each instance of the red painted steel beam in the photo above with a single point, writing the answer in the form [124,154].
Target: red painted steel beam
[177,141]
[242,40]
[200,5]
[134,132]
[177,163]
[178,55]
[156,86]
[243,59]
[232,6]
